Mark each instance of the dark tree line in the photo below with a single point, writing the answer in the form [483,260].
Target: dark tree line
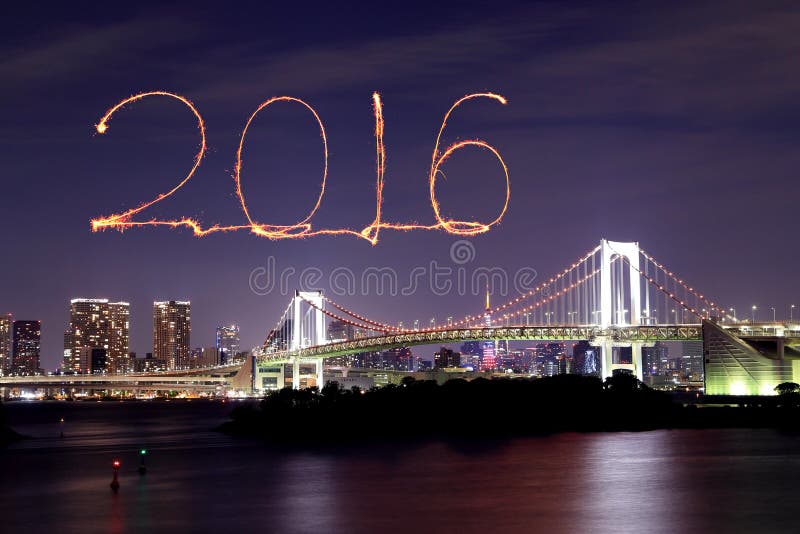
[496,408]
[460,409]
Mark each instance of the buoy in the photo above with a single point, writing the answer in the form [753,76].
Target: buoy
[142,468]
[115,481]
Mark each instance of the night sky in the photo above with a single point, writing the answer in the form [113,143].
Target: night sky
[674,124]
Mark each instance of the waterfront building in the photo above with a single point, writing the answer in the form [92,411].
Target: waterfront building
[97,323]
[26,347]
[227,343]
[6,327]
[171,333]
[119,314]
[88,328]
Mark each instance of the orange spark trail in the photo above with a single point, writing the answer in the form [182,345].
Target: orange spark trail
[122,220]
[303,227]
[371,232]
[463,227]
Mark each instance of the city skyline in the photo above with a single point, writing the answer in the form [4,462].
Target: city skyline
[98,323]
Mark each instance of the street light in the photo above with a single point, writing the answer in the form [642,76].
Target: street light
[753,314]
[548,315]
[773,313]
[733,311]
[675,313]
[791,313]
[572,316]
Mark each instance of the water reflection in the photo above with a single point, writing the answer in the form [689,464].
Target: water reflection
[197,480]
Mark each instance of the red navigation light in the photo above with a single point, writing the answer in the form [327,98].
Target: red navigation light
[116,464]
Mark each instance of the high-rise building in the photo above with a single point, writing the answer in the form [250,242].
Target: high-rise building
[171,330]
[693,356]
[66,360]
[6,350]
[227,342]
[27,336]
[119,314]
[88,328]
[97,324]
[585,359]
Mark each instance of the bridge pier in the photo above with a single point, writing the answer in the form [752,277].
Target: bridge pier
[636,360]
[320,377]
[607,358]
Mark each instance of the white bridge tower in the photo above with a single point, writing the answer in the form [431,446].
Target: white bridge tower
[620,302]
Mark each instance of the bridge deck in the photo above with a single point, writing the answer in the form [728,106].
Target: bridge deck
[614,334]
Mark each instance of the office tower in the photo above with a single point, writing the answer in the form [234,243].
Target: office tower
[6,351]
[171,330]
[118,337]
[227,342]
[26,347]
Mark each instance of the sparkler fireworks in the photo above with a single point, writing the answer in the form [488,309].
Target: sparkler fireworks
[303,228]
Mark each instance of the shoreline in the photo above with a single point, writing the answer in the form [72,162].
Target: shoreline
[491,409]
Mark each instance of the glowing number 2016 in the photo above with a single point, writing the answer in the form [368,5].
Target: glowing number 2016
[303,228]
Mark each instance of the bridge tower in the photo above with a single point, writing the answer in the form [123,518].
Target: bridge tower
[620,301]
[307,330]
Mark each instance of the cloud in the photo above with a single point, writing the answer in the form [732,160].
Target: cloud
[738,64]
[85,49]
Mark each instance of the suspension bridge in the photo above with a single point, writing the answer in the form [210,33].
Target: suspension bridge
[614,296]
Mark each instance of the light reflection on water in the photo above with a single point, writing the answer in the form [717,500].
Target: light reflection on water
[199,480]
